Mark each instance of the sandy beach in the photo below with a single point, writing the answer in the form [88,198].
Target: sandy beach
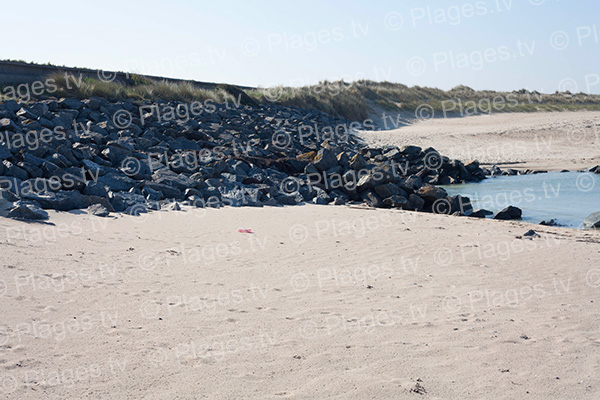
[318,302]
[315,200]
[540,141]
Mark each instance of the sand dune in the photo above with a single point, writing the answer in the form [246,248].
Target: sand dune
[319,302]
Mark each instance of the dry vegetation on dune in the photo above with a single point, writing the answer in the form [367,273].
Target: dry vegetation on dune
[352,100]
[141,89]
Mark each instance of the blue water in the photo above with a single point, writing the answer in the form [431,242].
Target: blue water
[566,197]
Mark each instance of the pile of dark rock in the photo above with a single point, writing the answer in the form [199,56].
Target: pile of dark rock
[134,156]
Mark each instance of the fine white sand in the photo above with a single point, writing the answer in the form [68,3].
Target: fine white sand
[319,302]
[542,141]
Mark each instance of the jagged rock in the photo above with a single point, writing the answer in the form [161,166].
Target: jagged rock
[325,159]
[371,199]
[8,125]
[389,189]
[167,191]
[290,199]
[215,158]
[11,169]
[4,153]
[412,183]
[339,201]
[592,220]
[358,162]
[460,204]
[509,213]
[396,201]
[431,193]
[116,182]
[415,202]
[93,188]
[27,212]
[136,209]
[153,205]
[170,178]
[366,182]
[61,200]
[98,210]
[410,151]
[480,213]
[121,201]
[71,103]
[8,195]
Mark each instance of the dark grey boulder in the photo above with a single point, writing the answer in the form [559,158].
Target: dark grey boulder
[368,182]
[325,159]
[371,198]
[40,185]
[27,212]
[153,205]
[61,200]
[320,201]
[94,169]
[9,125]
[531,233]
[396,201]
[31,170]
[290,199]
[415,202]
[412,183]
[311,169]
[93,188]
[389,189]
[71,103]
[151,194]
[179,181]
[115,181]
[167,191]
[11,183]
[410,151]
[509,213]
[11,169]
[460,204]
[120,201]
[4,152]
[195,201]
[358,162]
[136,209]
[592,220]
[8,195]
[10,105]
[98,210]
[480,213]
[431,193]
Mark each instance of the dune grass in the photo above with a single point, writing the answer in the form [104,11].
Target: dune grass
[356,100]
[141,89]
[353,101]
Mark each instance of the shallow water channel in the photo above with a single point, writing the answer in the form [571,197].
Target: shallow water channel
[566,197]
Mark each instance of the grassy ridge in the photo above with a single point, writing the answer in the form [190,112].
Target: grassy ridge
[353,101]
[142,89]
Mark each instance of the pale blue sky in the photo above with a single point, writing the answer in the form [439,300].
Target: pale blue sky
[543,45]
